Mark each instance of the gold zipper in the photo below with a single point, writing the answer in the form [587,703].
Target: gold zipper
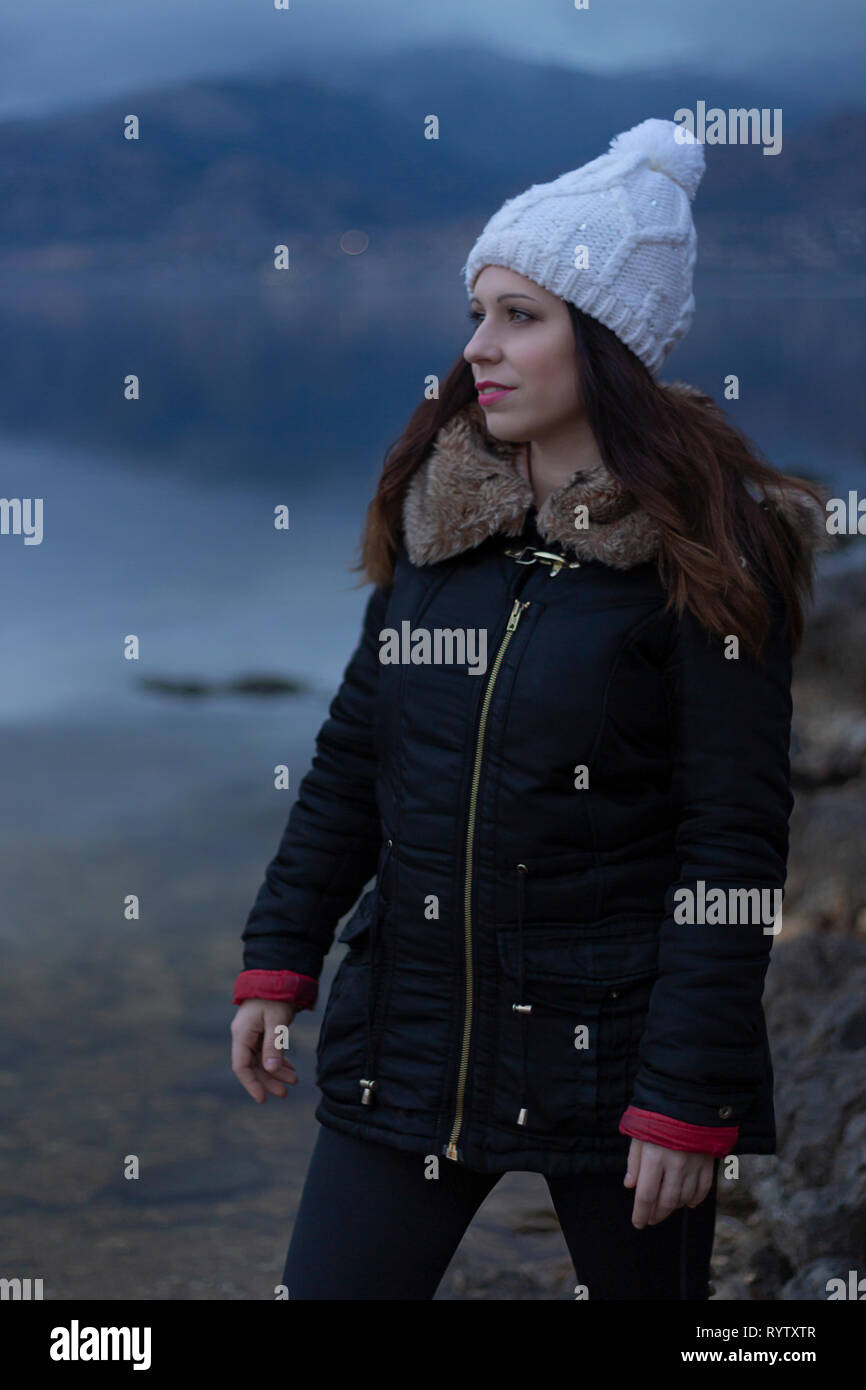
[514,619]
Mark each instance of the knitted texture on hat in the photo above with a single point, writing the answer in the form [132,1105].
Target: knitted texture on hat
[631,210]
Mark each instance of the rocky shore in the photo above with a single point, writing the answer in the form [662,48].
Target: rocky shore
[117,1044]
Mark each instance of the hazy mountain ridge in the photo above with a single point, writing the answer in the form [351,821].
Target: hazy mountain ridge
[225,169]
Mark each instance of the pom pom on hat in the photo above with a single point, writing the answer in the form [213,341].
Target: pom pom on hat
[667,147]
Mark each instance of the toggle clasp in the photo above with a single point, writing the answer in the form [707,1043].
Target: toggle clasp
[527,555]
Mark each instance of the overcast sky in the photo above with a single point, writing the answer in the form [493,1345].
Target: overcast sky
[57,53]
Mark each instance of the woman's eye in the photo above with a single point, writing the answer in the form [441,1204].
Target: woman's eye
[475,314]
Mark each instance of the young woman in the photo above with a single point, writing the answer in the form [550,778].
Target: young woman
[561,746]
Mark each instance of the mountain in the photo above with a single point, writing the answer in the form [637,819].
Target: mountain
[225,169]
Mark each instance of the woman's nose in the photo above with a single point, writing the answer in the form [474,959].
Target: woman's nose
[481,349]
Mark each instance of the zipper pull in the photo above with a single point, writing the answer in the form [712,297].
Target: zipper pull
[515,614]
[451,1151]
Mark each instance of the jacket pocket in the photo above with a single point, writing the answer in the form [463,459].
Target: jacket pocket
[621,1025]
[356,932]
[568,1039]
[342,1036]
[346,1037]
[547,1050]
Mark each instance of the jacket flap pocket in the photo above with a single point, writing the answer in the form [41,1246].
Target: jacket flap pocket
[360,921]
[564,953]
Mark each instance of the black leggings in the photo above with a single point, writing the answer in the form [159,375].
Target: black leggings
[370,1225]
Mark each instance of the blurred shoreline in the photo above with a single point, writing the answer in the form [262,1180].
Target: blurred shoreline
[117,1038]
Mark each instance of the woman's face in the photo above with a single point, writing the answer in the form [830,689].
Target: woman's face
[523,340]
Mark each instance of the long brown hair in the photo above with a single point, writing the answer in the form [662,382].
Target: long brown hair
[676,453]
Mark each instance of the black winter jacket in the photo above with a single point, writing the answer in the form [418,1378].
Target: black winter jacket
[520,989]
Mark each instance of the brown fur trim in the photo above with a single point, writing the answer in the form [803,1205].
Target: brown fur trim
[470,487]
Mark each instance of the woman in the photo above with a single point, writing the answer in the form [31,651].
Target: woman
[562,748]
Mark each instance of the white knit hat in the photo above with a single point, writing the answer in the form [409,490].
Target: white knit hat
[631,210]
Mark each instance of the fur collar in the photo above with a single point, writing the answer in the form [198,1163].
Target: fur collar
[471,486]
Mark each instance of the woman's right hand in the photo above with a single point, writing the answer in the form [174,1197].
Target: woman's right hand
[259,1065]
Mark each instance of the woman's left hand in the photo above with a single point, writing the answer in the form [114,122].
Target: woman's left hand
[665,1179]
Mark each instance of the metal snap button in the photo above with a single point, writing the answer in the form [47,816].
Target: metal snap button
[725,1112]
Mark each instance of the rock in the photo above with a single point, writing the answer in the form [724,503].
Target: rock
[809,1202]
[826,889]
[810,1283]
[834,644]
[827,748]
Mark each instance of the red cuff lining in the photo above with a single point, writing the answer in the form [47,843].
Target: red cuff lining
[300,990]
[654,1128]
